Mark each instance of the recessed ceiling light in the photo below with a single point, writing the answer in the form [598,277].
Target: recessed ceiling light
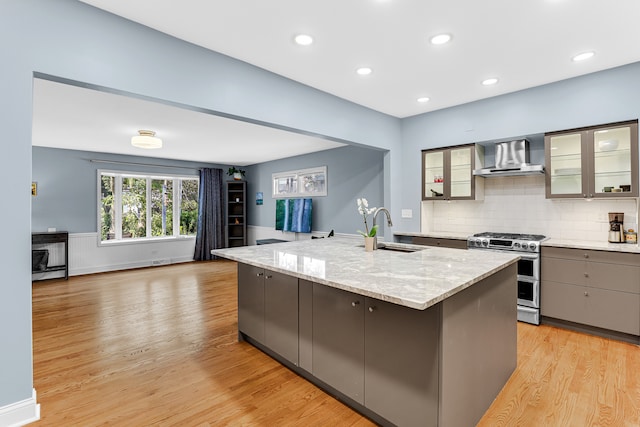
[303,39]
[489,82]
[440,39]
[582,56]
[364,71]
[423,99]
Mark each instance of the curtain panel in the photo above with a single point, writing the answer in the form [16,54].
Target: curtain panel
[210,233]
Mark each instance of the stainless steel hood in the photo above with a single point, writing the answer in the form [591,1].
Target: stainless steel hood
[512,159]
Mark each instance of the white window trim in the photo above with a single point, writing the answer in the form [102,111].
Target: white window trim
[297,176]
[118,207]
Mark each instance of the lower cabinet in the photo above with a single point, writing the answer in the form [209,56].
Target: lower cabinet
[268,309]
[441,242]
[382,355]
[595,288]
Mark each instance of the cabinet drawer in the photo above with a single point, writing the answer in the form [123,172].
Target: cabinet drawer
[617,311]
[591,255]
[443,243]
[613,310]
[617,277]
[563,301]
[563,270]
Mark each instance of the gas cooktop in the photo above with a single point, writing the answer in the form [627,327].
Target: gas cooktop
[506,241]
[511,236]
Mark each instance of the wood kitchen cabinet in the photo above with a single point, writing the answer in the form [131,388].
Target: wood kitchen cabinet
[589,287]
[367,349]
[447,173]
[594,162]
[268,309]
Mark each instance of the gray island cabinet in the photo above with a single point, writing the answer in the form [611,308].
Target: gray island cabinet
[410,339]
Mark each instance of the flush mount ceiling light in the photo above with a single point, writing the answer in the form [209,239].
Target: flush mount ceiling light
[364,71]
[303,39]
[146,139]
[489,82]
[440,39]
[423,99]
[582,56]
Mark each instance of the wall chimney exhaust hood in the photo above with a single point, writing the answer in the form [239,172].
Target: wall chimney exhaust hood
[512,159]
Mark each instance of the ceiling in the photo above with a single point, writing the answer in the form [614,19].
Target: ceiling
[522,43]
[77,118]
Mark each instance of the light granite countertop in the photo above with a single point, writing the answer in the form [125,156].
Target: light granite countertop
[590,244]
[413,279]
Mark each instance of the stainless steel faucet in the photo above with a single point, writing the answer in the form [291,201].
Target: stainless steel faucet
[389,223]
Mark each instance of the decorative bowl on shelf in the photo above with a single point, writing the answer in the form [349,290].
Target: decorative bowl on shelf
[608,144]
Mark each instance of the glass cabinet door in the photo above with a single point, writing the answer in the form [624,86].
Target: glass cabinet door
[433,174]
[461,172]
[612,162]
[565,165]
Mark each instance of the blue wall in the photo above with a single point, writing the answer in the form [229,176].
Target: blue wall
[598,98]
[69,39]
[352,172]
[67,184]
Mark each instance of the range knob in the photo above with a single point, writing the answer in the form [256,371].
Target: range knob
[532,246]
[516,245]
[485,243]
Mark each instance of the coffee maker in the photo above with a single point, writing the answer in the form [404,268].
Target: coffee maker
[616,228]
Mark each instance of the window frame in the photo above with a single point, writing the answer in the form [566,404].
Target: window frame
[117,203]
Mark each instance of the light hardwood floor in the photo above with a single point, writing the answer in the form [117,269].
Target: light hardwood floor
[159,347]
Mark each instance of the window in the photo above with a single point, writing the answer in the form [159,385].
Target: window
[305,182]
[142,207]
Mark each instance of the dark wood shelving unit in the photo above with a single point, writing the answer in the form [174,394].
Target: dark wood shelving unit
[236,214]
[58,237]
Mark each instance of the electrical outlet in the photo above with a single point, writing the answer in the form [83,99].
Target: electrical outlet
[407,213]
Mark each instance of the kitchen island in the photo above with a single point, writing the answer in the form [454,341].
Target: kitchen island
[407,338]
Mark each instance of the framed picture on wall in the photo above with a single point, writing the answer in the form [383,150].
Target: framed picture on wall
[34,188]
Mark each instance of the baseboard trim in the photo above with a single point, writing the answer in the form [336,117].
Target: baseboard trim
[126,266]
[20,413]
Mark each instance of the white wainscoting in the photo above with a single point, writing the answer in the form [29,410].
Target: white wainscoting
[87,257]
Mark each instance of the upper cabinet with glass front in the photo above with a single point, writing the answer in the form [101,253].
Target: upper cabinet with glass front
[447,173]
[594,162]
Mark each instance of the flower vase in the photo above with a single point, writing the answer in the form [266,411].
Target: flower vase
[368,244]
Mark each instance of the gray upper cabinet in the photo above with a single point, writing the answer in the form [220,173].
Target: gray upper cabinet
[447,173]
[594,162]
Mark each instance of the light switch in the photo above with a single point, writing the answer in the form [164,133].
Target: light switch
[407,213]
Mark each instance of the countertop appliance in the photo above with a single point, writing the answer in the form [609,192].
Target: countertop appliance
[616,227]
[528,247]
[512,158]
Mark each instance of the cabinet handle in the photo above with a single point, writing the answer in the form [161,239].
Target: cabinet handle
[371,309]
[259,274]
[586,294]
[586,274]
[354,303]
[584,195]
[586,255]
[268,276]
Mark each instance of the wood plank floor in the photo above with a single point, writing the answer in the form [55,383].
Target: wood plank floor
[159,347]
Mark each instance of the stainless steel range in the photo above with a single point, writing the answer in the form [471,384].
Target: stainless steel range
[528,247]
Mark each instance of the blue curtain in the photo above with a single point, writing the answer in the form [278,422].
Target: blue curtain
[210,234]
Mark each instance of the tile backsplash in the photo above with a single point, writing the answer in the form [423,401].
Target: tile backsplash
[518,205]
